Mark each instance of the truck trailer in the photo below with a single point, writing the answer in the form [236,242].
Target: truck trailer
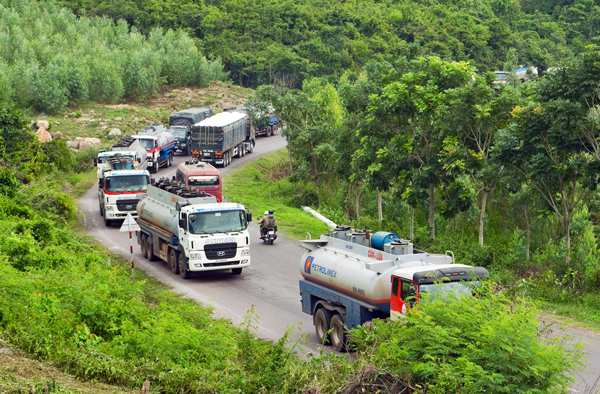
[159,144]
[352,277]
[191,231]
[221,137]
[120,188]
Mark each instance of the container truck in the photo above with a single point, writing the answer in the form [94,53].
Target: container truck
[191,231]
[201,176]
[159,144]
[268,126]
[221,137]
[351,277]
[119,189]
[126,147]
[180,125]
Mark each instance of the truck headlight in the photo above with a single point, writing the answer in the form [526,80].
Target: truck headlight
[109,207]
[245,252]
[196,256]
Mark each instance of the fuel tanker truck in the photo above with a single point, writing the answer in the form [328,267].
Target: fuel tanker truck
[159,144]
[351,277]
[189,230]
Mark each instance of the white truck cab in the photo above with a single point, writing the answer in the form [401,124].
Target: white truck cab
[119,192]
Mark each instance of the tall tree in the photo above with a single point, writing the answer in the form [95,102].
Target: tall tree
[544,147]
[476,112]
[412,104]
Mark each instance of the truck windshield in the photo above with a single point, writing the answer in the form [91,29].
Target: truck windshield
[147,143]
[203,180]
[126,183]
[217,222]
[462,288]
[178,132]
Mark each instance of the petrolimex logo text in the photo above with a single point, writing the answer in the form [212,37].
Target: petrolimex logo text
[309,266]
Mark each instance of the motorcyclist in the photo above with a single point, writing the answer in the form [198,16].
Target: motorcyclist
[268,221]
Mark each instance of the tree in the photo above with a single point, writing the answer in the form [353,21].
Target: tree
[544,147]
[476,112]
[412,104]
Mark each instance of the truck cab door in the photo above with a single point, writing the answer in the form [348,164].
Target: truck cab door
[402,298]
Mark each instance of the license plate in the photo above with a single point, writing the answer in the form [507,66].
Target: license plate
[207,160]
[207,154]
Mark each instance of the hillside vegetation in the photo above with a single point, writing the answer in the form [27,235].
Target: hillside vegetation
[50,58]
[286,41]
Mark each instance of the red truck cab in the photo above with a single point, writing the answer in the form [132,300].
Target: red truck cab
[202,176]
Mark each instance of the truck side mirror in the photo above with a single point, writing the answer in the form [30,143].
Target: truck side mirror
[248,217]
[95,162]
[182,223]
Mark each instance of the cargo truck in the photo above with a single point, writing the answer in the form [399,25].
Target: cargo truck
[180,125]
[191,231]
[159,144]
[126,147]
[221,137]
[352,277]
[119,189]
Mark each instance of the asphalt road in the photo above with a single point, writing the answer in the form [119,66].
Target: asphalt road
[270,285]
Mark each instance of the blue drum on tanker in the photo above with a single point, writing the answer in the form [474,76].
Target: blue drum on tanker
[381,238]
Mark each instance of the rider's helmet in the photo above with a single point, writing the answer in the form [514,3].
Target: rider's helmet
[270,211]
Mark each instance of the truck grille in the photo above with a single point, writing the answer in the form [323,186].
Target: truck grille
[220,251]
[207,265]
[127,205]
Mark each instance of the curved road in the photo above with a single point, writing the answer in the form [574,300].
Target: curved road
[270,285]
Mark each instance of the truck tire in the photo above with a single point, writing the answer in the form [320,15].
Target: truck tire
[275,128]
[269,131]
[101,210]
[236,271]
[174,261]
[150,250]
[143,246]
[168,160]
[338,334]
[107,222]
[322,322]
[183,267]
[156,166]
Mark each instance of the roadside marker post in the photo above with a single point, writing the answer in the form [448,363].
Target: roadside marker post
[130,225]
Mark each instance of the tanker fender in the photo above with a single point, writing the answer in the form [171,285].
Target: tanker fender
[330,307]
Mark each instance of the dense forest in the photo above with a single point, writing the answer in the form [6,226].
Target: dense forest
[283,42]
[50,58]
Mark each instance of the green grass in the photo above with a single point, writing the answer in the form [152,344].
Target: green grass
[262,185]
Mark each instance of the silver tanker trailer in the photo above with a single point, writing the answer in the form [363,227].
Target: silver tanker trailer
[189,230]
[351,277]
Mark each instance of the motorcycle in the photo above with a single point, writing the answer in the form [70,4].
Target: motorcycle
[270,236]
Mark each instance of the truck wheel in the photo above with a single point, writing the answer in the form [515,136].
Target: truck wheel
[322,321]
[183,267]
[143,245]
[174,261]
[168,160]
[107,222]
[252,146]
[101,210]
[156,166]
[269,131]
[236,271]
[275,129]
[150,250]
[338,334]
